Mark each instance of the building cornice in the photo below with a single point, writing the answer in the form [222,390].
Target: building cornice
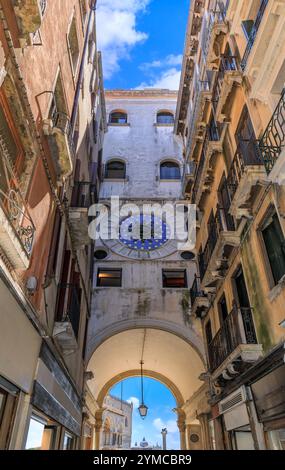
[141,94]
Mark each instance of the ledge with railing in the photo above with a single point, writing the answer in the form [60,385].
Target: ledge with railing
[272,143]
[237,329]
[229,63]
[253,33]
[247,155]
[217,17]
[196,291]
[222,222]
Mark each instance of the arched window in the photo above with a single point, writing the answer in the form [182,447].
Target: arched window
[118,117]
[115,169]
[165,117]
[170,171]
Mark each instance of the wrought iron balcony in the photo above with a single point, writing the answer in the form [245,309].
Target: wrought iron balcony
[17,230]
[253,33]
[59,133]
[212,145]
[216,21]
[202,92]
[199,299]
[237,330]
[229,73]
[222,232]
[246,171]
[272,143]
[66,327]
[188,176]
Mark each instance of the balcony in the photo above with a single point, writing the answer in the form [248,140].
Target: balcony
[247,171]
[213,34]
[83,196]
[58,132]
[234,346]
[228,76]
[223,237]
[66,326]
[272,144]
[199,300]
[188,177]
[212,146]
[17,231]
[29,15]
[198,124]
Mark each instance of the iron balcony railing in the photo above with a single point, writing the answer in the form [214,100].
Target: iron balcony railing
[237,329]
[216,17]
[202,86]
[272,142]
[253,33]
[196,291]
[12,202]
[68,305]
[229,63]
[247,154]
[213,134]
[222,222]
[84,194]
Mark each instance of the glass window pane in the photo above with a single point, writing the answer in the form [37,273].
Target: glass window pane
[170,171]
[109,278]
[165,118]
[68,441]
[35,435]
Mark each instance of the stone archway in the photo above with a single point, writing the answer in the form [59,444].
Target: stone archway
[167,357]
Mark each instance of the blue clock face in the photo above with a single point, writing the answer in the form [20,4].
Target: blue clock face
[156,229]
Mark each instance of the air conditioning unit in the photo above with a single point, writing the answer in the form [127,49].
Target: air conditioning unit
[235,399]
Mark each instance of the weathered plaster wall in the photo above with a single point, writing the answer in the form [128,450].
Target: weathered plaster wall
[143,145]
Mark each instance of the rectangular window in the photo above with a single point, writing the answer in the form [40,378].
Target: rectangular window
[73,46]
[41,434]
[275,247]
[68,441]
[174,279]
[109,278]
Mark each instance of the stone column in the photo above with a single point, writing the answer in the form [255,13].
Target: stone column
[182,427]
[98,427]
[164,434]
[203,419]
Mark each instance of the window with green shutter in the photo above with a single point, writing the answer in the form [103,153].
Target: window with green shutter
[275,246]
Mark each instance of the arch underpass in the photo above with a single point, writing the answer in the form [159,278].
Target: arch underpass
[167,358]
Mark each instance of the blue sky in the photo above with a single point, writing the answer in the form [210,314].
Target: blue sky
[142,42]
[160,402]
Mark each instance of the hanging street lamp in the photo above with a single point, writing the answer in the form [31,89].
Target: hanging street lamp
[143,409]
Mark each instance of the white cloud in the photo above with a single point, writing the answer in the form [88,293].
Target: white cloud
[117,32]
[169,61]
[135,401]
[170,425]
[169,79]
